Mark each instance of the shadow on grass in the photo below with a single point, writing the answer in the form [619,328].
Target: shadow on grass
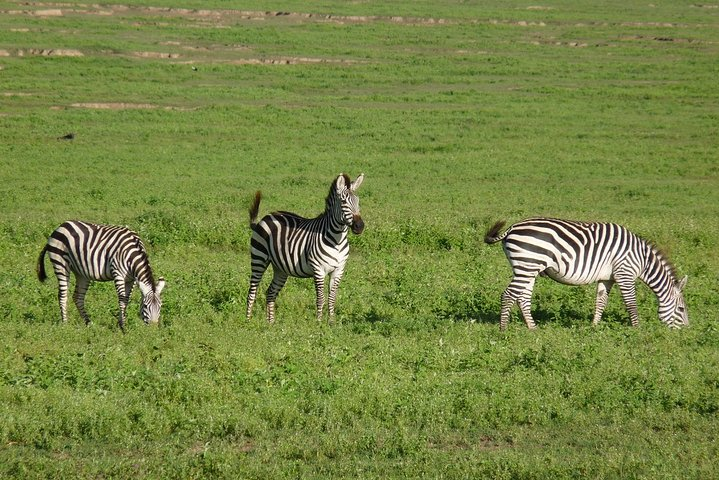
[474,307]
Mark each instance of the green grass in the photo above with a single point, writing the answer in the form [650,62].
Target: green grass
[488,111]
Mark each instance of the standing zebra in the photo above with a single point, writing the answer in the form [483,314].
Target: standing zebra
[305,247]
[101,253]
[579,253]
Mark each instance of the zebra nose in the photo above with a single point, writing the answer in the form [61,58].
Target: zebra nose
[357,224]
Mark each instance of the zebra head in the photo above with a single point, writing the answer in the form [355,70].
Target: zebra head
[151,301]
[674,313]
[345,193]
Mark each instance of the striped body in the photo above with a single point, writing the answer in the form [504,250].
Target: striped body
[101,253]
[580,253]
[304,247]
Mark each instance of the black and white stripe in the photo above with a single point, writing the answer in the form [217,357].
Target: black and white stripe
[101,253]
[305,247]
[579,253]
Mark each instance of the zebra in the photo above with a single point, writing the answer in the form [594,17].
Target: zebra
[101,253]
[580,253]
[305,247]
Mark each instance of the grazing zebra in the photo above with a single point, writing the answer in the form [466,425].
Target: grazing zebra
[101,253]
[579,253]
[305,247]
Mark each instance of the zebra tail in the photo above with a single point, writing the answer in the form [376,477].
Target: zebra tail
[41,275]
[255,208]
[492,235]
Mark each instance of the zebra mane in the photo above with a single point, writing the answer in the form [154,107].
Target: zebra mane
[348,182]
[663,258]
[146,262]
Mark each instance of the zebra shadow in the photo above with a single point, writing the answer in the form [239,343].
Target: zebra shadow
[477,307]
[461,307]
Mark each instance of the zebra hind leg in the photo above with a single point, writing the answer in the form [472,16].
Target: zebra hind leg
[81,286]
[508,300]
[62,272]
[258,270]
[519,290]
[525,305]
[278,281]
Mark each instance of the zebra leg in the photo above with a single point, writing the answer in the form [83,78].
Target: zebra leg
[508,300]
[123,298]
[320,293]
[629,295]
[525,305]
[335,279]
[81,286]
[255,278]
[62,272]
[603,289]
[519,290]
[129,284]
[278,281]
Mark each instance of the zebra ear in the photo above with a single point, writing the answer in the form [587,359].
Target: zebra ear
[145,289]
[159,285]
[341,182]
[682,283]
[356,184]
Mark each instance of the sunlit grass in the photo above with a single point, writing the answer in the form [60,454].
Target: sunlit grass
[577,110]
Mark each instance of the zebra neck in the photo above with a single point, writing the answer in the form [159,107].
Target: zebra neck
[142,273]
[333,228]
[658,275]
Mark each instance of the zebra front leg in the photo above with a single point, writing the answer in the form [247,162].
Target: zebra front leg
[81,286]
[320,294]
[335,279]
[278,281]
[603,289]
[629,295]
[123,299]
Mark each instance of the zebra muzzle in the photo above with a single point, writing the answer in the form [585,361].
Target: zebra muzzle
[357,224]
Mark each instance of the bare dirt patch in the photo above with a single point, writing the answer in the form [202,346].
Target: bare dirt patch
[115,106]
[124,106]
[217,16]
[155,55]
[43,52]
[290,61]
[51,52]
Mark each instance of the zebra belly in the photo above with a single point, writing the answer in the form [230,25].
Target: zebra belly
[329,265]
[311,265]
[579,277]
[103,274]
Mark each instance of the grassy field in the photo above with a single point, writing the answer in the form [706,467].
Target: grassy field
[459,114]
